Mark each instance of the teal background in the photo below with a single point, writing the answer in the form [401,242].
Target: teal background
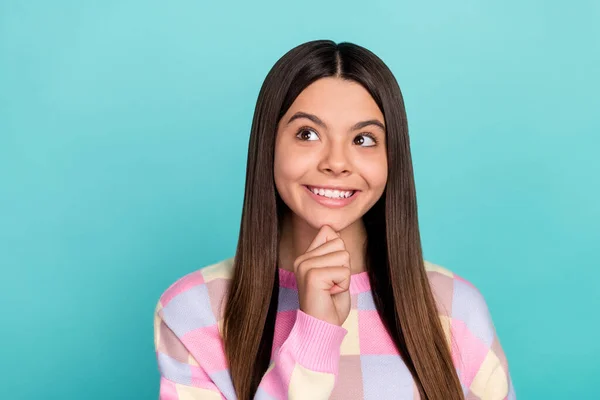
[123,136]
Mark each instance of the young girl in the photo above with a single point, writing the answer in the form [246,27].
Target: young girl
[328,295]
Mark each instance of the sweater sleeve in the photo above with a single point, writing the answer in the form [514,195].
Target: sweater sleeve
[477,352]
[192,363]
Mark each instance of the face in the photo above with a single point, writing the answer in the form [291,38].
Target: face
[331,141]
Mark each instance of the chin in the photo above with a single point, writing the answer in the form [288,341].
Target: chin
[338,224]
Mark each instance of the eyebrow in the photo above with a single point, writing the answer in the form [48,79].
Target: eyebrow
[317,120]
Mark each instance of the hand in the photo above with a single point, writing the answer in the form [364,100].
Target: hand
[323,278]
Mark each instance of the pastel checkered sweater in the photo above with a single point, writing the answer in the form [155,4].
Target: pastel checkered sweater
[312,359]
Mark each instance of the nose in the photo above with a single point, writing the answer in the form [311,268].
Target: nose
[335,160]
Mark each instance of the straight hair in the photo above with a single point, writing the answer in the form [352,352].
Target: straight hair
[394,260]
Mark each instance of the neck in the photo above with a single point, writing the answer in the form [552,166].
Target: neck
[296,236]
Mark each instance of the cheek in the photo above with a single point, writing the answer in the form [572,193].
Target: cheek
[375,173]
[381,178]
[290,166]
[288,169]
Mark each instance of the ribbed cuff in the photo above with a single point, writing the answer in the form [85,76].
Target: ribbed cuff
[315,343]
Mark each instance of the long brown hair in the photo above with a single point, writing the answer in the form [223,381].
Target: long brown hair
[395,263]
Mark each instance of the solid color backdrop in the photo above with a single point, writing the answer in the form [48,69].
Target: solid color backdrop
[123,134]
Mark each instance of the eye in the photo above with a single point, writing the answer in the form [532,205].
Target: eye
[304,134]
[368,136]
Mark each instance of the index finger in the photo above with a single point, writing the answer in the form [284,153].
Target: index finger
[326,233]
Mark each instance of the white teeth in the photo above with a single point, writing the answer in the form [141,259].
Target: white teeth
[332,194]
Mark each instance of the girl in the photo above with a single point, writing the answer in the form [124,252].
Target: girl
[328,295]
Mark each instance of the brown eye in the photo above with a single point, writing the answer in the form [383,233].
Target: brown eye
[305,133]
[360,140]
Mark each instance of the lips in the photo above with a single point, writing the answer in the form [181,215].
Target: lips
[331,193]
[332,202]
[331,188]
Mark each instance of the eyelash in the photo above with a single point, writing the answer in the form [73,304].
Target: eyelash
[369,135]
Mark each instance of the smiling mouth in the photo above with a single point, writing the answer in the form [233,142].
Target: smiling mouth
[332,193]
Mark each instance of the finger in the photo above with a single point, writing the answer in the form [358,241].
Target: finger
[331,246]
[334,279]
[333,259]
[326,233]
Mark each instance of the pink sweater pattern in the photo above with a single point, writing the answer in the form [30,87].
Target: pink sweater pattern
[312,359]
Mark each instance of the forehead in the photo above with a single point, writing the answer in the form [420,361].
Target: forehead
[338,99]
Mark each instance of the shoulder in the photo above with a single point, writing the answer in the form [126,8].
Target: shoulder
[461,303]
[466,321]
[476,350]
[196,299]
